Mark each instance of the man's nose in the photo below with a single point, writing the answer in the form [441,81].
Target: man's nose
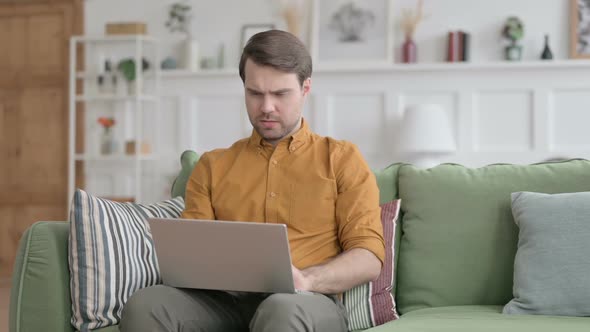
[267,104]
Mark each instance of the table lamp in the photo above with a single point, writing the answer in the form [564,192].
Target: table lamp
[426,134]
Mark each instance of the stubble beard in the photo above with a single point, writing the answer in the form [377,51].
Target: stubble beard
[270,135]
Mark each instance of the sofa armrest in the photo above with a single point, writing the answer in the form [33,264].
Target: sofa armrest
[40,293]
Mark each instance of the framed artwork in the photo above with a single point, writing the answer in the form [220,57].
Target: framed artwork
[345,31]
[250,30]
[580,29]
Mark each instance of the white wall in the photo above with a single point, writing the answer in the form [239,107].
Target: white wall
[220,21]
[214,22]
[484,20]
[518,113]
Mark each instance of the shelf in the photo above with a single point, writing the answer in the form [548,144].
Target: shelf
[180,73]
[348,67]
[114,38]
[83,75]
[452,66]
[106,97]
[115,157]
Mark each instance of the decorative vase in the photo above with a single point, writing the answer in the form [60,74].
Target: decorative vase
[131,88]
[409,51]
[547,54]
[191,54]
[513,52]
[107,142]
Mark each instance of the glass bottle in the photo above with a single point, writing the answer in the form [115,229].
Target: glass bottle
[107,142]
[547,54]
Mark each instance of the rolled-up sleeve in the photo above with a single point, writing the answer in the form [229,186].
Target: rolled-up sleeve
[357,206]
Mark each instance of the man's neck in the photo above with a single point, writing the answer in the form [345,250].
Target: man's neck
[274,143]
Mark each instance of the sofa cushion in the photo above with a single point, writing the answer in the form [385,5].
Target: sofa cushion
[387,182]
[372,304]
[388,191]
[111,255]
[480,319]
[551,268]
[459,237]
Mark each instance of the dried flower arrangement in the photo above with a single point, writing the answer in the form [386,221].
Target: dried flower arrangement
[106,122]
[292,12]
[410,19]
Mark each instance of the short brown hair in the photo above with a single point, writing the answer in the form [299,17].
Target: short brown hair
[280,50]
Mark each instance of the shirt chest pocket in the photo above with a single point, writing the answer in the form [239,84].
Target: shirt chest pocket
[313,205]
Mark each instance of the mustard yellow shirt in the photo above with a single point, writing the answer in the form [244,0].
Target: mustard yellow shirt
[321,188]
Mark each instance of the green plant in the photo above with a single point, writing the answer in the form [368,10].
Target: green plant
[513,29]
[127,68]
[179,16]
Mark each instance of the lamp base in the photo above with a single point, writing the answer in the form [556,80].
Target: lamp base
[424,161]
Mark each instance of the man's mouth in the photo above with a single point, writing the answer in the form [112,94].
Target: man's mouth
[268,123]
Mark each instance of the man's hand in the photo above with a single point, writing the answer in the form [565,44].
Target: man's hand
[300,280]
[343,272]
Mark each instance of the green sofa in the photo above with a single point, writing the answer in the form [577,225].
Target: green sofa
[455,250]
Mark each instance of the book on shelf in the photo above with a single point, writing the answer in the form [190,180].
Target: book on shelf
[458,46]
[466,42]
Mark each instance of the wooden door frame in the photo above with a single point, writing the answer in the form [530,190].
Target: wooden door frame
[73,23]
[77,28]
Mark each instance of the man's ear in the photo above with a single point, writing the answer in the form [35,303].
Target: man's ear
[306,86]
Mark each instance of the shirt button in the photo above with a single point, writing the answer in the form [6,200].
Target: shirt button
[273,194]
[274,162]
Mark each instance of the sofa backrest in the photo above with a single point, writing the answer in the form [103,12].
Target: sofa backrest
[386,178]
[458,235]
[188,159]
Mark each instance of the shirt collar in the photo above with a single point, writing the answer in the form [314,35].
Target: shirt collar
[294,142]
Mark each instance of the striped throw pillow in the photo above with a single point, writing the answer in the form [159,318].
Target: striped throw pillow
[373,304]
[111,255]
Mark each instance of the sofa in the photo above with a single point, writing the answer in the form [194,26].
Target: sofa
[455,250]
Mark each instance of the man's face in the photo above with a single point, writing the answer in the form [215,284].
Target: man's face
[274,101]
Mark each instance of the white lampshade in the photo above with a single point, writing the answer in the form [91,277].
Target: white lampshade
[426,129]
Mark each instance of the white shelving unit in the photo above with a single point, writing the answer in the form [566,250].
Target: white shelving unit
[368,67]
[137,47]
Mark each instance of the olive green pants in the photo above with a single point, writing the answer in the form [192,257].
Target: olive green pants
[163,308]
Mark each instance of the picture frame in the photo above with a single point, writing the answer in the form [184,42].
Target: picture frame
[580,29]
[249,30]
[352,31]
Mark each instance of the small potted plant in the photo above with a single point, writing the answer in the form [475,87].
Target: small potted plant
[127,69]
[179,21]
[107,142]
[513,31]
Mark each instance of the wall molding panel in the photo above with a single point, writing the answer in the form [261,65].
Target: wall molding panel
[500,113]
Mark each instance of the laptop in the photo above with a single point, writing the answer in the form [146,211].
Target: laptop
[223,255]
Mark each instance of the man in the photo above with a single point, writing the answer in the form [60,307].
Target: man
[319,187]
